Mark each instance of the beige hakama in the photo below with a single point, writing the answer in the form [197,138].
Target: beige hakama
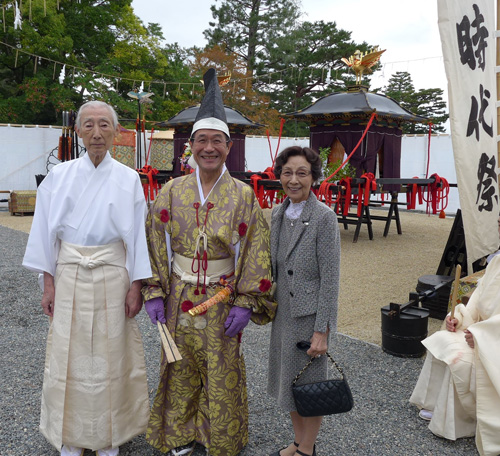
[461,385]
[95,388]
[446,385]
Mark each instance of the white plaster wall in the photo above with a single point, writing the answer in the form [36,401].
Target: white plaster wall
[24,151]
[258,153]
[23,154]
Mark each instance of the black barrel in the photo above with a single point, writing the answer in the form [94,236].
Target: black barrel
[437,303]
[402,334]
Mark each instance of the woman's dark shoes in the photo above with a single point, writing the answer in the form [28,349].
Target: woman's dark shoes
[277,453]
[304,454]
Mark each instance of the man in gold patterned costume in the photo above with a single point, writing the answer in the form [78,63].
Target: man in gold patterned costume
[202,227]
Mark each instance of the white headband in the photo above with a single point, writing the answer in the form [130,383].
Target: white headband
[211,123]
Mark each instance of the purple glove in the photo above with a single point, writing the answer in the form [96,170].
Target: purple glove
[237,319]
[156,310]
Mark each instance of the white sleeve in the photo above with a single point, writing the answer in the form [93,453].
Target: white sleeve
[141,263]
[41,250]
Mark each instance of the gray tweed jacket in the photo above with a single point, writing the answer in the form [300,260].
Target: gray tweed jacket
[312,262]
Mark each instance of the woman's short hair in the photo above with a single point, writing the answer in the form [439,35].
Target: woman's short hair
[310,155]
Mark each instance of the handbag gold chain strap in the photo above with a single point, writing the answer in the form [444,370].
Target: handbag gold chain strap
[310,362]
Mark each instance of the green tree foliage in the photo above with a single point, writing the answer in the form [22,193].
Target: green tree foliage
[305,66]
[279,63]
[249,28]
[425,102]
[292,62]
[107,51]
[238,91]
[430,104]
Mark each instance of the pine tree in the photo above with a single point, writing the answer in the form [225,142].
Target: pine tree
[249,29]
[425,102]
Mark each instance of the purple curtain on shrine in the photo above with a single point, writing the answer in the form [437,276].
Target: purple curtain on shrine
[236,159]
[365,157]
[373,142]
[392,161]
[179,140]
[348,135]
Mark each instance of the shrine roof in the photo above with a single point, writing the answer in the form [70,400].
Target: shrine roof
[358,103]
[187,116]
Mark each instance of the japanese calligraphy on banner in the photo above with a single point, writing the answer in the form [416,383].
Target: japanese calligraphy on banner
[467,32]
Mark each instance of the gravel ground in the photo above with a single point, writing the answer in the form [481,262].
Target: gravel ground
[374,273]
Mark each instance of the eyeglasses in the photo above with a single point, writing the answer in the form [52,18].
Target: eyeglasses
[301,174]
[216,142]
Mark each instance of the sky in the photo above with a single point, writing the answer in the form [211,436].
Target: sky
[409,33]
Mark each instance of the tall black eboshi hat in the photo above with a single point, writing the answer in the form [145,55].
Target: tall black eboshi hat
[211,114]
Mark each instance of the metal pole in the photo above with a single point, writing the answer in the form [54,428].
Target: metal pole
[139,129]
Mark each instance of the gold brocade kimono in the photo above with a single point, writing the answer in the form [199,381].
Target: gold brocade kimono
[203,397]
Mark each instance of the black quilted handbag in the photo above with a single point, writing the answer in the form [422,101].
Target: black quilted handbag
[322,398]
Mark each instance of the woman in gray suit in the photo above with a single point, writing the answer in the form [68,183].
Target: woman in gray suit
[305,255]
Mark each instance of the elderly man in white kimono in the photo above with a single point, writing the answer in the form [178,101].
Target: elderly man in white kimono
[88,240]
[458,389]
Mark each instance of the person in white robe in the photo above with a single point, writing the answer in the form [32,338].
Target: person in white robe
[88,240]
[458,389]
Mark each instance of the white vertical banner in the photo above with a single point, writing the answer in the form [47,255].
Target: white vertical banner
[467,32]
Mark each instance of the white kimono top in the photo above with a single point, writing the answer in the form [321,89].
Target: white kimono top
[481,317]
[88,206]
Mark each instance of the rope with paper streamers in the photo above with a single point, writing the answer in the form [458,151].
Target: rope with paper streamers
[75,68]
[179,85]
[117,79]
[324,189]
[6,5]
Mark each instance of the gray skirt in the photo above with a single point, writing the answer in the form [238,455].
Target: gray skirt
[286,360]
